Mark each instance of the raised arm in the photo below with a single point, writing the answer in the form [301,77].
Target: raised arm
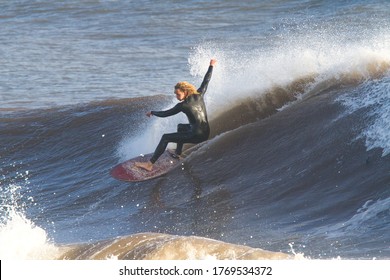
[203,87]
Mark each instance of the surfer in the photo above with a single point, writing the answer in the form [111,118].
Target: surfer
[192,104]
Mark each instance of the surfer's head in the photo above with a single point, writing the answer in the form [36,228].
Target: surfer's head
[184,89]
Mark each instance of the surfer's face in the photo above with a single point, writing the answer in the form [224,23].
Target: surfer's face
[180,95]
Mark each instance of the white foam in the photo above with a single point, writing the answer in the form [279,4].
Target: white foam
[326,56]
[20,239]
[375,97]
[146,141]
[368,214]
[242,74]
[364,217]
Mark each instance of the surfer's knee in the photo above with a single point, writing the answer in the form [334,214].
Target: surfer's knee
[165,138]
[180,127]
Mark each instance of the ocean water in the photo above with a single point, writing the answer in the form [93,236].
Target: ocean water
[297,164]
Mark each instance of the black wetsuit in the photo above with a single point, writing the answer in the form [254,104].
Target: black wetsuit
[198,130]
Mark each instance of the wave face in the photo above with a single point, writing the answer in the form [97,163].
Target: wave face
[298,159]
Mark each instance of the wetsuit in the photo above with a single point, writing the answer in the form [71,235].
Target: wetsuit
[198,130]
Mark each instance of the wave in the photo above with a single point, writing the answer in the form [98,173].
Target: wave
[155,246]
[249,85]
[373,97]
[280,167]
[21,239]
[248,106]
[254,85]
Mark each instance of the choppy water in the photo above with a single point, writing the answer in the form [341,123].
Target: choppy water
[298,159]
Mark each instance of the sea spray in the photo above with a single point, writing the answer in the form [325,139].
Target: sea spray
[20,238]
[326,56]
[373,96]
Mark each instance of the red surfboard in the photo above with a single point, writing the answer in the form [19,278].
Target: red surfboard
[127,171]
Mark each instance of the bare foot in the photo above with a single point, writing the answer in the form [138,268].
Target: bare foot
[148,166]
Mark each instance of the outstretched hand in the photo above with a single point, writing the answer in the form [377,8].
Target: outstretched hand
[149,114]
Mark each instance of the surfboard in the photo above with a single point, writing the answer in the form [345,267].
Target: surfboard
[127,171]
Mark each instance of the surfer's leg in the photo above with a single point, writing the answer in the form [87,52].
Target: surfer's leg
[182,128]
[162,145]
[179,148]
[178,137]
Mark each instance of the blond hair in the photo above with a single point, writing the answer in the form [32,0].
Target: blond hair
[186,87]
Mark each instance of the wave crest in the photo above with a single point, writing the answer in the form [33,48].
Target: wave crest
[155,246]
